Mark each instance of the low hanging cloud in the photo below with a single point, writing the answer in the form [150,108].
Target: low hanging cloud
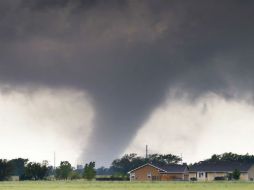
[196,130]
[126,56]
[36,123]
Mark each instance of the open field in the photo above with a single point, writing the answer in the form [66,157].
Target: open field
[70,185]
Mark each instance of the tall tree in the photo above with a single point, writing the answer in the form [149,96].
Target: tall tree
[36,171]
[89,171]
[5,169]
[131,161]
[64,170]
[161,159]
[19,167]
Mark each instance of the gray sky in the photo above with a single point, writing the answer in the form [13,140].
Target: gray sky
[101,70]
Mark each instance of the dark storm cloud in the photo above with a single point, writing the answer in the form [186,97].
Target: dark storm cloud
[127,55]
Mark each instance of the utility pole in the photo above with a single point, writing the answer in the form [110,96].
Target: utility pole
[146,151]
[54,160]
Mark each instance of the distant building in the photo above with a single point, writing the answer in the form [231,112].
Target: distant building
[14,178]
[209,171]
[151,172]
[80,167]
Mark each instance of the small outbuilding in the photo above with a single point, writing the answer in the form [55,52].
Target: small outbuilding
[14,178]
[152,172]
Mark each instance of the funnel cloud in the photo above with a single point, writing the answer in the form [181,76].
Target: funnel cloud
[127,56]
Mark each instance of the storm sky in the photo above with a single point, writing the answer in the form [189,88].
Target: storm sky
[95,79]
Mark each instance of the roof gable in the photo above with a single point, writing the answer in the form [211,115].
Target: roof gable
[147,164]
[170,168]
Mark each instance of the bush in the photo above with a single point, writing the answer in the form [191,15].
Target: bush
[236,174]
[113,178]
[219,178]
[74,175]
[193,179]
[230,176]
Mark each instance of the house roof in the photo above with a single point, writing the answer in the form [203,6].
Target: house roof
[169,168]
[172,168]
[220,166]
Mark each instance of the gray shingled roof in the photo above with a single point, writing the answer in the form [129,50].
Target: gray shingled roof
[220,167]
[172,168]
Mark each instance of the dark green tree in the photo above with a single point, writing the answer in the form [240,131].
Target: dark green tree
[231,157]
[215,157]
[36,171]
[103,171]
[64,170]
[5,169]
[236,174]
[19,167]
[161,159]
[89,171]
[126,163]
[131,161]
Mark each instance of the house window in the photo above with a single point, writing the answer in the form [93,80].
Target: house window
[200,174]
[149,175]
[132,176]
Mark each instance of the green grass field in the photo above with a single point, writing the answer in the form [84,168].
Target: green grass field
[72,185]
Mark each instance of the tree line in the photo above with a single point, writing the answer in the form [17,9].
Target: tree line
[41,171]
[119,167]
[128,162]
[229,156]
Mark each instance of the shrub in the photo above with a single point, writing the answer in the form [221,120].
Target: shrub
[236,174]
[219,178]
[74,175]
[230,176]
[113,178]
[193,179]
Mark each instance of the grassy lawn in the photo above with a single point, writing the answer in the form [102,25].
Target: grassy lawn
[31,185]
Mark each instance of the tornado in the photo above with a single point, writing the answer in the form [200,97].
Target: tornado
[127,55]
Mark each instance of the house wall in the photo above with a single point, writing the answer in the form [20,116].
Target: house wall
[201,178]
[244,176]
[141,173]
[192,175]
[186,176]
[171,177]
[251,173]
[212,175]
